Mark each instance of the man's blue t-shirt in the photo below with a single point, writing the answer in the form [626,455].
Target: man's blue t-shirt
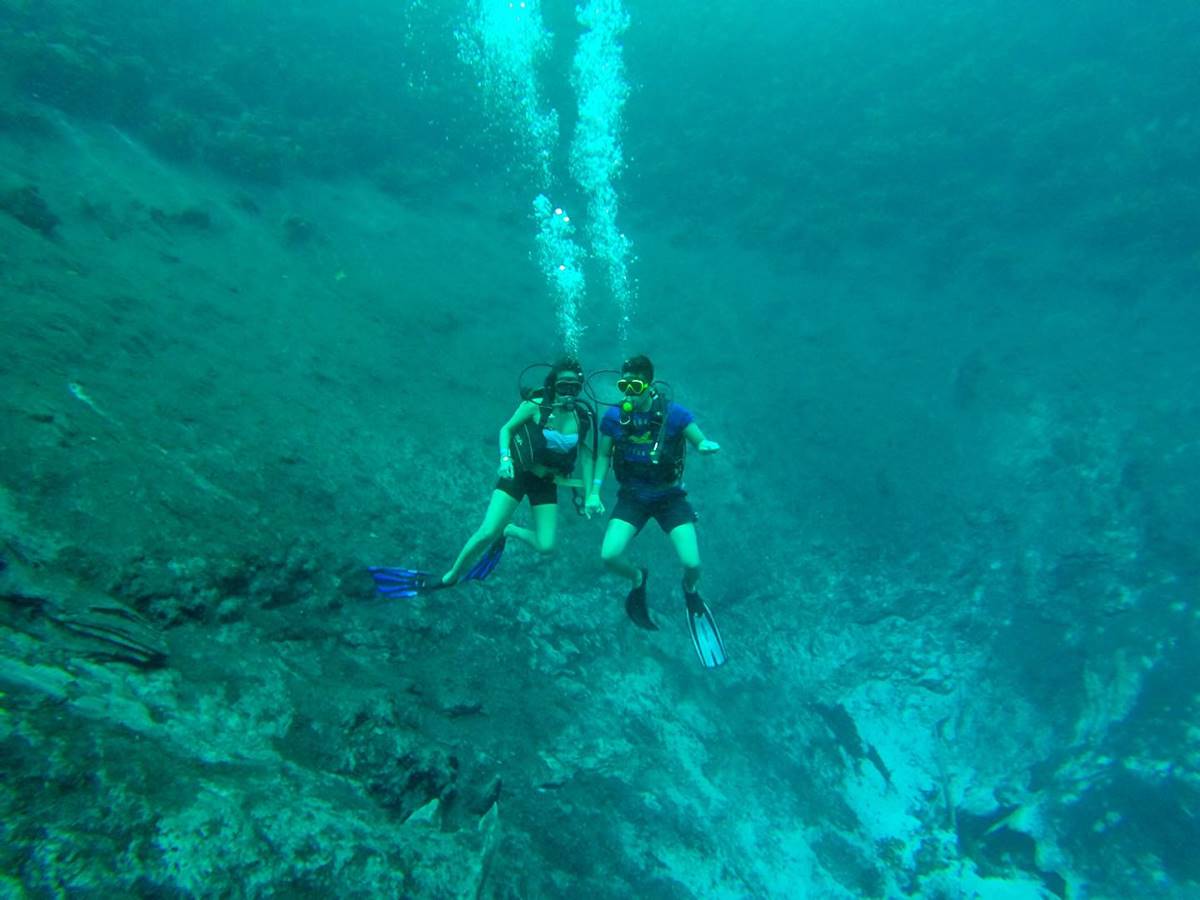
[633,442]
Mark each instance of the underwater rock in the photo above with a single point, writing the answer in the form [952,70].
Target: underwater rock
[297,231]
[849,864]
[845,732]
[118,635]
[101,214]
[405,784]
[82,623]
[247,205]
[23,124]
[488,798]
[426,815]
[26,205]
[173,135]
[82,76]
[998,848]
[192,217]
[400,777]
[245,155]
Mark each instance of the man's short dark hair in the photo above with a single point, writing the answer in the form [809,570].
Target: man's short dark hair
[639,365]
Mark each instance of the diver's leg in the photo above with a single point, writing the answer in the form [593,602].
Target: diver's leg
[543,498]
[687,548]
[545,527]
[522,534]
[612,552]
[499,511]
[544,534]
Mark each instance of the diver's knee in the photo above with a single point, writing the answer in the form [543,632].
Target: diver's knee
[547,548]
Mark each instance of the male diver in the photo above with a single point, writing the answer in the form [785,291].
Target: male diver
[644,436]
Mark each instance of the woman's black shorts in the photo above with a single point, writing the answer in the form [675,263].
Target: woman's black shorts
[540,491]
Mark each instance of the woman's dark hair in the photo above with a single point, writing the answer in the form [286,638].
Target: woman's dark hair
[639,365]
[562,364]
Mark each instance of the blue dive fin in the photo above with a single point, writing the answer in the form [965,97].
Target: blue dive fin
[396,582]
[487,563]
[706,637]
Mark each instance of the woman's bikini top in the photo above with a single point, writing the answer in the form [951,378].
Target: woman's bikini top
[558,451]
[535,444]
[557,442]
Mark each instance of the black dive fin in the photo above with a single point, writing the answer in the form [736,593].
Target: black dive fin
[635,605]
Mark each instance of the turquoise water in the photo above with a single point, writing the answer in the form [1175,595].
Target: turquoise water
[926,271]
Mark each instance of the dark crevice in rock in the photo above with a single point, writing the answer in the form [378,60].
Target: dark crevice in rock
[841,724]
[999,850]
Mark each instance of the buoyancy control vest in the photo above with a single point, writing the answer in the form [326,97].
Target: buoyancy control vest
[529,446]
[646,453]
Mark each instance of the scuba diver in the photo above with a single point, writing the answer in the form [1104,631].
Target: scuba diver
[539,447]
[645,435]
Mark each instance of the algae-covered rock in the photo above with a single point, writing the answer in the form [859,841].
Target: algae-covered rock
[82,75]
[27,206]
[77,620]
[247,155]
[192,218]
[174,134]
[23,123]
[297,231]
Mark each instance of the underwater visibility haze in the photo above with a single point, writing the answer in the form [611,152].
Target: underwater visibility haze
[918,281]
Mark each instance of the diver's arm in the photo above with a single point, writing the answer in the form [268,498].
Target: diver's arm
[603,453]
[586,465]
[697,439]
[592,503]
[524,413]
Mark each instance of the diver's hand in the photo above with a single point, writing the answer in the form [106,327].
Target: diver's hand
[706,446]
[506,467]
[593,506]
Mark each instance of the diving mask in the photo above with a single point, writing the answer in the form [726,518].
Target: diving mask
[568,387]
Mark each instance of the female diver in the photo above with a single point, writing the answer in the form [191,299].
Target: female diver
[539,448]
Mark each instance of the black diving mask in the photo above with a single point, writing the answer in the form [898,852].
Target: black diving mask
[568,387]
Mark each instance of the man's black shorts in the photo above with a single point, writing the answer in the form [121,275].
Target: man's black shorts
[540,491]
[670,511]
